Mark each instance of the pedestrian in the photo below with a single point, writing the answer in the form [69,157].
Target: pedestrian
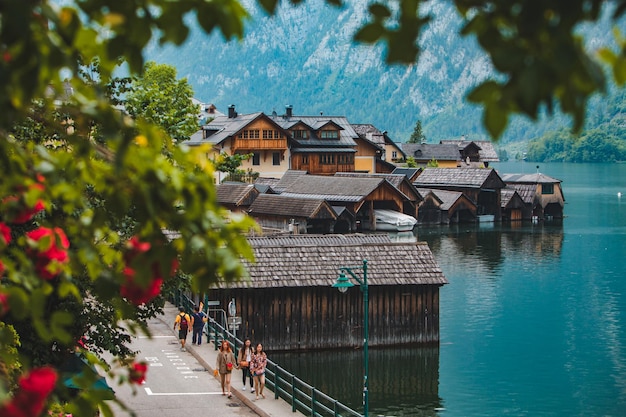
[257,368]
[183,321]
[224,364]
[243,359]
[198,318]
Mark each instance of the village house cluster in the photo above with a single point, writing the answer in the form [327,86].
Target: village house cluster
[322,174]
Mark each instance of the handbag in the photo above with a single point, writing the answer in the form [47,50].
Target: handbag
[243,364]
[229,366]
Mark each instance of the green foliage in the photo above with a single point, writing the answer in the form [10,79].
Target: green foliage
[432,163]
[591,146]
[230,163]
[410,162]
[160,98]
[418,135]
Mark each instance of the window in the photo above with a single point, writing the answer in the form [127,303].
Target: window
[250,134]
[394,155]
[329,134]
[276,158]
[305,159]
[547,188]
[270,134]
[327,159]
[300,134]
[256,158]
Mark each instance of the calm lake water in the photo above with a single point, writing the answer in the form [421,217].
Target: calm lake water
[533,322]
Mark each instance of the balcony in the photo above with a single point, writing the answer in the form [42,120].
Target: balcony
[259,144]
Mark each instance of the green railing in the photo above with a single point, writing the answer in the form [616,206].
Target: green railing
[302,396]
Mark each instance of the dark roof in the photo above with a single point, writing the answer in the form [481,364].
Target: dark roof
[408,172]
[346,132]
[235,193]
[278,205]
[486,150]
[287,179]
[458,177]
[537,178]
[312,261]
[428,151]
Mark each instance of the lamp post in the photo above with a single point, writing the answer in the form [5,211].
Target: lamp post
[342,284]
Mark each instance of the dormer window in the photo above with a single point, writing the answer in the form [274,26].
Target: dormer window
[329,134]
[300,134]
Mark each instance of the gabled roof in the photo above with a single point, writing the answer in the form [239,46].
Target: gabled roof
[313,261]
[459,177]
[508,195]
[486,150]
[526,191]
[279,205]
[236,194]
[394,179]
[224,127]
[536,178]
[346,132]
[447,198]
[334,188]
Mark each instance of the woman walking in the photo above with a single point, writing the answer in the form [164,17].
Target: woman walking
[243,359]
[257,368]
[224,364]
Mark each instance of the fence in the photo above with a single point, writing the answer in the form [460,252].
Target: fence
[302,396]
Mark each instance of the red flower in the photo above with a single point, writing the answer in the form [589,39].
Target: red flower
[25,212]
[138,372]
[30,398]
[52,253]
[137,293]
[5,233]
[2,269]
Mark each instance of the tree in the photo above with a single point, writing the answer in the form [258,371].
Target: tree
[417,136]
[160,98]
[100,208]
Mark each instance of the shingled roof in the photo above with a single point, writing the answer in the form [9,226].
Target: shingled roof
[333,188]
[278,205]
[458,177]
[447,198]
[486,150]
[315,262]
[236,194]
[537,178]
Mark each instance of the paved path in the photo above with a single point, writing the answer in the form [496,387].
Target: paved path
[182,383]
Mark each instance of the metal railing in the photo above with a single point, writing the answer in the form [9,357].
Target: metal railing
[302,396]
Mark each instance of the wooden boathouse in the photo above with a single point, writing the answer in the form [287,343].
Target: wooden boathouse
[288,302]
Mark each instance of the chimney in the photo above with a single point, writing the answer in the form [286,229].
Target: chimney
[231,112]
[289,110]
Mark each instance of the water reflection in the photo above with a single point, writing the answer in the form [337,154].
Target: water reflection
[403,381]
[485,249]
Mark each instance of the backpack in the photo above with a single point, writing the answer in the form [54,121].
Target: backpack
[184,324]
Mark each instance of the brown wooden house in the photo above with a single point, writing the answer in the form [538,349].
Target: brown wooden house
[288,302]
[297,215]
[542,194]
[513,206]
[481,185]
[361,196]
[446,207]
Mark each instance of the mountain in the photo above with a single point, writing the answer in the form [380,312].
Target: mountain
[304,56]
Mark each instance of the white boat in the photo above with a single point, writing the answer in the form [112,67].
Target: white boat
[394,221]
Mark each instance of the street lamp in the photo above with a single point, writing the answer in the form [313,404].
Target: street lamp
[342,284]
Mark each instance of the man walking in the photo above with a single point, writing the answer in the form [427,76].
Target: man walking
[183,321]
[198,318]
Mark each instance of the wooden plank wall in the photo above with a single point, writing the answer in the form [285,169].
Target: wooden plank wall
[322,318]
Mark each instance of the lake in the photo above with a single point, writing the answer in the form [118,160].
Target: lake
[533,322]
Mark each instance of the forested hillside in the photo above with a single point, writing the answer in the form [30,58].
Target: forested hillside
[305,57]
